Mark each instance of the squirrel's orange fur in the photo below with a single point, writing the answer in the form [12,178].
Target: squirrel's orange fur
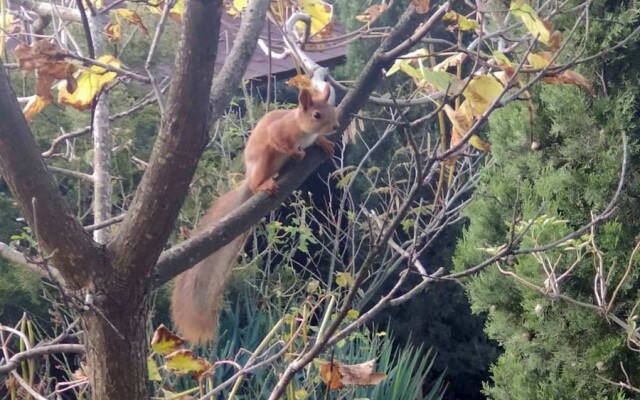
[278,136]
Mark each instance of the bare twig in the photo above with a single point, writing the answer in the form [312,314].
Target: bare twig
[73,174]
[14,362]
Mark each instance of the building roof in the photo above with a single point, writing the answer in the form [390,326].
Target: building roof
[258,67]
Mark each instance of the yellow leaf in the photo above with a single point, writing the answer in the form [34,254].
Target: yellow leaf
[481,92]
[176,12]
[184,361]
[312,286]
[343,279]
[542,60]
[456,138]
[90,82]
[353,314]
[451,61]
[168,394]
[505,65]
[411,71]
[152,367]
[479,144]
[503,76]
[406,59]
[133,18]
[164,341]
[6,20]
[463,23]
[34,106]
[502,59]
[235,7]
[538,60]
[460,120]
[321,14]
[5,23]
[532,21]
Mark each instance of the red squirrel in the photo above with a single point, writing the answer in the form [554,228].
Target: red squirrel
[278,136]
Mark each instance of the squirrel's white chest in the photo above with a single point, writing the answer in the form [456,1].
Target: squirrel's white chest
[307,140]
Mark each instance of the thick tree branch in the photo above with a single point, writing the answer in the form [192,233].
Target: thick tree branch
[18,258]
[232,71]
[186,254]
[183,135]
[38,196]
[47,9]
[184,131]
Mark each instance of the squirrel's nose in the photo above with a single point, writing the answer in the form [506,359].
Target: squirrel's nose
[335,126]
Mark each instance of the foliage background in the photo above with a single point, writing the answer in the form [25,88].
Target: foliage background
[574,171]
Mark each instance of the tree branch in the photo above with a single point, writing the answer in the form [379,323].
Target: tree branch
[72,174]
[37,193]
[47,9]
[18,258]
[183,256]
[253,19]
[184,131]
[14,362]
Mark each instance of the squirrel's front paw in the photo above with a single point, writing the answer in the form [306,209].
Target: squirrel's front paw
[326,145]
[298,154]
[270,187]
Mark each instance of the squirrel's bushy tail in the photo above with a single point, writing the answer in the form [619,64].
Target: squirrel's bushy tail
[197,292]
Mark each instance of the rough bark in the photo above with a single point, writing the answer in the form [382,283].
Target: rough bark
[231,73]
[38,197]
[101,168]
[101,143]
[183,135]
[116,344]
[116,315]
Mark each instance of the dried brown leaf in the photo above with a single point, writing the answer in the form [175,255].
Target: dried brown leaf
[113,31]
[372,13]
[337,375]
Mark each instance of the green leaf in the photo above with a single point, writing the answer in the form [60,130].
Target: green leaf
[443,81]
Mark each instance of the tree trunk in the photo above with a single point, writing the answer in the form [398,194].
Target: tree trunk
[117,344]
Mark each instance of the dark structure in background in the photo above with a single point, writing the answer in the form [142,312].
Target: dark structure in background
[282,63]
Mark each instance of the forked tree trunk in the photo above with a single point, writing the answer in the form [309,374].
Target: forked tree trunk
[117,345]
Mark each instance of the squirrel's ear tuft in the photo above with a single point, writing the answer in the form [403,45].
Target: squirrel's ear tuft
[327,92]
[305,100]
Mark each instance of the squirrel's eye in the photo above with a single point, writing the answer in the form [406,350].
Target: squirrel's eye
[316,115]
